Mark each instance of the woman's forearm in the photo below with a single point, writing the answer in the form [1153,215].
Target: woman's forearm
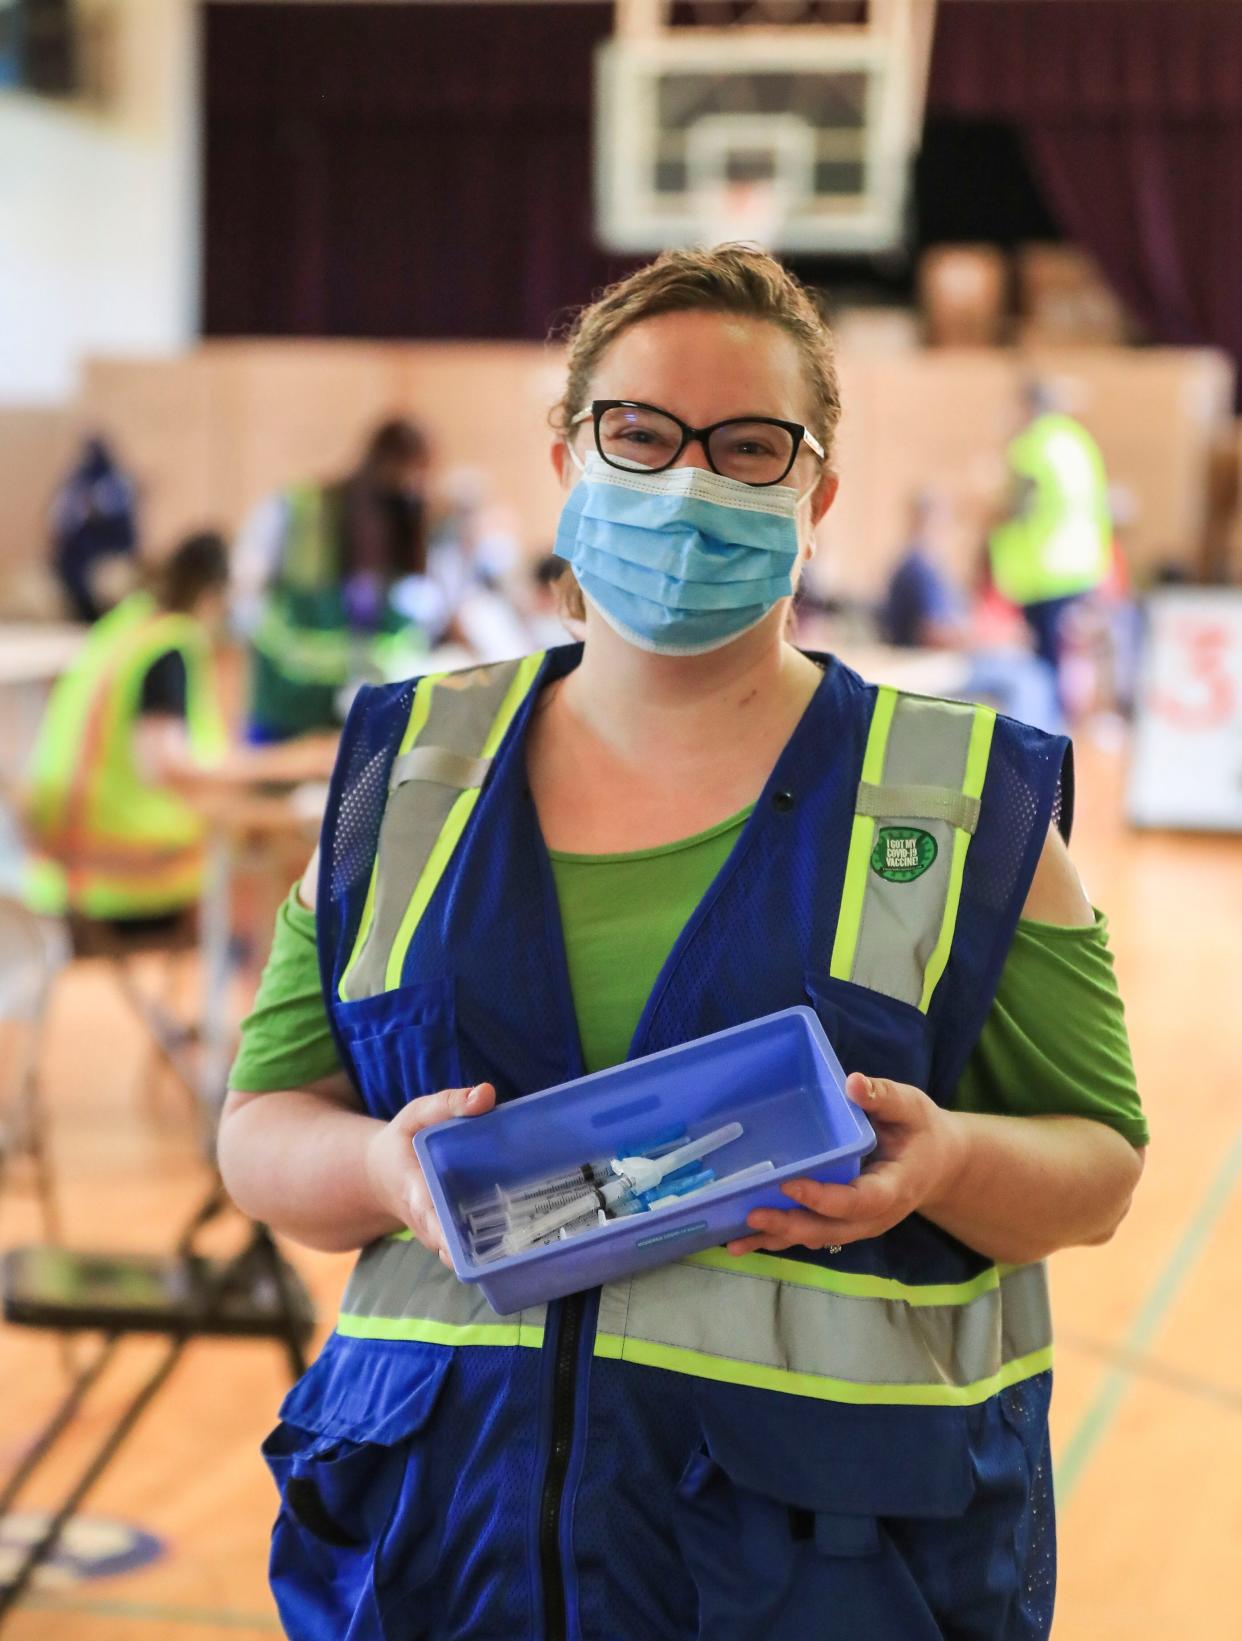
[1022,1187]
[298,1161]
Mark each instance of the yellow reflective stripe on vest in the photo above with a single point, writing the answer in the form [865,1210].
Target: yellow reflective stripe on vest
[862,841]
[917,807]
[786,1381]
[399,1290]
[467,715]
[419,710]
[850,1285]
[972,787]
[775,1324]
[460,813]
[745,1322]
[308,655]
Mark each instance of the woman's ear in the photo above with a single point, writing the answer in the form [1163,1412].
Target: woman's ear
[824,496]
[561,464]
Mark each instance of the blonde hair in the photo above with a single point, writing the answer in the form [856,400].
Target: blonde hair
[738,279]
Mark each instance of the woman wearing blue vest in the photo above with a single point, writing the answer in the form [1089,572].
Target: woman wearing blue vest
[837,1426]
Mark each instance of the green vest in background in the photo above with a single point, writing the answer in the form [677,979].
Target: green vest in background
[107,843]
[304,653]
[1060,542]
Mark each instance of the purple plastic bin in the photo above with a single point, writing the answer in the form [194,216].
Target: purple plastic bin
[778,1076]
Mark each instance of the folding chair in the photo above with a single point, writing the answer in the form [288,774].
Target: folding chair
[172,1040]
[185,1295]
[253,1295]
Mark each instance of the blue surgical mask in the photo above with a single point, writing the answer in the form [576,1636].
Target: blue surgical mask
[679,562]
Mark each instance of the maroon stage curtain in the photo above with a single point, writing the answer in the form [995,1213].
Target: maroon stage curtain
[399,170]
[1132,115]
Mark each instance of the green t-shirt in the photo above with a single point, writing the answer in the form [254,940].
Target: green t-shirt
[1054,1042]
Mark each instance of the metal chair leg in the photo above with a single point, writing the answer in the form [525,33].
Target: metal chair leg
[38,1553]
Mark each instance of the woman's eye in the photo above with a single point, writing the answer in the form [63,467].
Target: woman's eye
[645,438]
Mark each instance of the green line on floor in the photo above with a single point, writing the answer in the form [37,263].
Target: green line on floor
[1103,1410]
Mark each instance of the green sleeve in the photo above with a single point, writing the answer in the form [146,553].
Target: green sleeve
[286,1040]
[1055,1042]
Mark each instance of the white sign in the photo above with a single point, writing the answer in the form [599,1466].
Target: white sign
[1186,768]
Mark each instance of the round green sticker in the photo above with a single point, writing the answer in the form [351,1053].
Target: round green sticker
[902,853]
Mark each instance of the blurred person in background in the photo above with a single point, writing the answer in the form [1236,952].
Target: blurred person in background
[1056,542]
[922,609]
[112,839]
[94,531]
[132,739]
[314,571]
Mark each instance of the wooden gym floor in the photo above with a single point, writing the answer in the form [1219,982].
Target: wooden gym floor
[1148,1409]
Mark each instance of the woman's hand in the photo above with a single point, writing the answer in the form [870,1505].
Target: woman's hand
[918,1152]
[392,1166]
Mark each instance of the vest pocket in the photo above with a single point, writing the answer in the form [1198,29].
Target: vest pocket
[872,1033]
[356,1533]
[789,1503]
[402,1043]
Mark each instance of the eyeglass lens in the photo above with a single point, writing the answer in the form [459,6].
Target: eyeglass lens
[754,452]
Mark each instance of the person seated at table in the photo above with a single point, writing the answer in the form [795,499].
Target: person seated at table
[313,575]
[131,730]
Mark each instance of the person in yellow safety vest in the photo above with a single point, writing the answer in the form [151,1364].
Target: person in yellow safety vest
[112,839]
[1056,544]
[132,730]
[314,570]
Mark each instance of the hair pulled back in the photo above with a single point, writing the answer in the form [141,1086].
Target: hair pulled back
[737,279]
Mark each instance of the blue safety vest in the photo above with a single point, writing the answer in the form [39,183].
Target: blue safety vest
[847,1444]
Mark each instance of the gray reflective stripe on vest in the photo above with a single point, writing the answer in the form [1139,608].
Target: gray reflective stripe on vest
[457,719]
[775,1324]
[918,803]
[440,766]
[399,1290]
[785,1325]
[924,766]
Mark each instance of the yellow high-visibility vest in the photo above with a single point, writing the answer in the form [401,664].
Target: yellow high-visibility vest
[108,843]
[1060,541]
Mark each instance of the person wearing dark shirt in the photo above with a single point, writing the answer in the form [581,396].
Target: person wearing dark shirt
[93,520]
[920,609]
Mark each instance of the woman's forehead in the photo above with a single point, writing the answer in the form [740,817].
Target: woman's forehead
[706,366]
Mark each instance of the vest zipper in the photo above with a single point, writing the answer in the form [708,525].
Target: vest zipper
[564,1385]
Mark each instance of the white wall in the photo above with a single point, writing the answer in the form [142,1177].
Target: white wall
[99,207]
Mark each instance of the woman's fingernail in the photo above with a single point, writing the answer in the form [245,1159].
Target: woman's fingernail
[475,1096]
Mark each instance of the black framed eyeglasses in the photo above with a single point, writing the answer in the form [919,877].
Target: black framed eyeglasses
[758,450]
